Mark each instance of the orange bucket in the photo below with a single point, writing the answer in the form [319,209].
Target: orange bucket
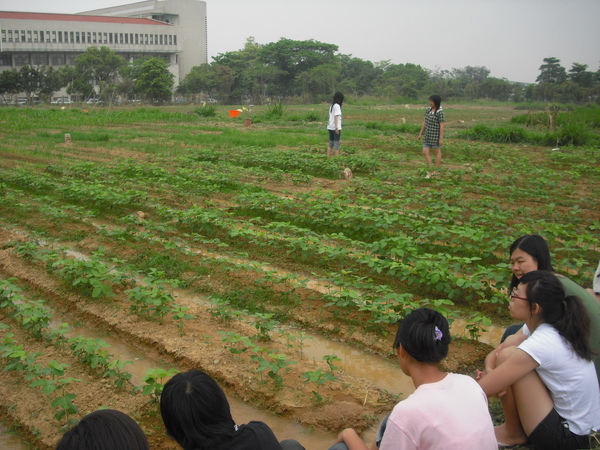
[234,113]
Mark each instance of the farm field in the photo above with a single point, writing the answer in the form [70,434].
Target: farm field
[156,240]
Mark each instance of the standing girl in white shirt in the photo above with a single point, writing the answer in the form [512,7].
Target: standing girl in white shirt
[334,125]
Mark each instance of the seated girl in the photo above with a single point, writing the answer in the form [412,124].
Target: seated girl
[196,414]
[546,379]
[105,429]
[446,410]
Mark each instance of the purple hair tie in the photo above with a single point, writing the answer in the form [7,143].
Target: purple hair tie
[438,334]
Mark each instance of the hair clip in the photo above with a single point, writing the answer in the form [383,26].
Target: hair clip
[438,334]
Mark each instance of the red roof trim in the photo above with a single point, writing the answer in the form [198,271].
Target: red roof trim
[78,18]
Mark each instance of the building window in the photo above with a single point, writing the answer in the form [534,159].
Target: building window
[29,39]
[175,40]
[120,38]
[94,37]
[77,37]
[146,40]
[3,35]
[16,35]
[72,37]
[21,60]
[40,60]
[47,36]
[54,37]
[89,37]
[22,35]
[35,36]
[9,35]
[170,39]
[110,38]
[105,38]
[60,37]
[57,60]
[5,59]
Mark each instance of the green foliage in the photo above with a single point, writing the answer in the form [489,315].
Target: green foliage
[275,111]
[206,110]
[155,380]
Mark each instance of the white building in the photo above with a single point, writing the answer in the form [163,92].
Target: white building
[174,30]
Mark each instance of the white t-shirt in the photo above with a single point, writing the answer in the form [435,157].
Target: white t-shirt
[451,414]
[571,381]
[336,110]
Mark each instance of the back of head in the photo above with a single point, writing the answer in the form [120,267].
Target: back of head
[425,335]
[338,98]
[195,411]
[106,429]
[536,246]
[564,312]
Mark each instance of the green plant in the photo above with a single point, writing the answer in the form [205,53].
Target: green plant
[155,379]
[206,110]
[319,378]
[179,315]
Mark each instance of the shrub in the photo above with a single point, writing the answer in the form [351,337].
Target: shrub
[206,111]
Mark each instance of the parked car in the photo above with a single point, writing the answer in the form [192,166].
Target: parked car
[61,101]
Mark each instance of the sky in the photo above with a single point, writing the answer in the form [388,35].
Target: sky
[509,37]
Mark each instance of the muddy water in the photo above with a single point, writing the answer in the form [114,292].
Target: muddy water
[9,441]
[241,412]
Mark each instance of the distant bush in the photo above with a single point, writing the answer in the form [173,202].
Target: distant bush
[505,135]
[206,111]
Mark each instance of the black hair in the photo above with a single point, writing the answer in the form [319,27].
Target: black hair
[535,246]
[195,411]
[425,335]
[437,101]
[564,312]
[338,98]
[105,429]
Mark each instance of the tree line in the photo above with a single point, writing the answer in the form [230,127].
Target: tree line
[308,71]
[97,73]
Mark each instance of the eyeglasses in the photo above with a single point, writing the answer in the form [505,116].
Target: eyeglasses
[513,294]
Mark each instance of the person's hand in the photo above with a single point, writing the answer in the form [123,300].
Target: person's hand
[480,374]
[337,131]
[419,137]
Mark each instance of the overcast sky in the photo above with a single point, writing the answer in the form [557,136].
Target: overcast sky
[509,37]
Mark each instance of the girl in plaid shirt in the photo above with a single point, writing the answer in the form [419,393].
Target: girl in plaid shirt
[433,128]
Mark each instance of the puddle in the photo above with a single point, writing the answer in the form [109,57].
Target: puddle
[241,412]
[8,441]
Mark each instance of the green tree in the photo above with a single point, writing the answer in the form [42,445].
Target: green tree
[50,81]
[579,75]
[10,84]
[294,57]
[30,81]
[97,66]
[552,72]
[153,81]
[201,79]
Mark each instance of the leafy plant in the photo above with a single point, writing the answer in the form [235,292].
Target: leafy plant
[155,379]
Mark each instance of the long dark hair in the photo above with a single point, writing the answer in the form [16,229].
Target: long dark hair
[105,429]
[564,312]
[437,101]
[338,98]
[195,411]
[425,335]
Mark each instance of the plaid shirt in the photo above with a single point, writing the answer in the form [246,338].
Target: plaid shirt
[432,126]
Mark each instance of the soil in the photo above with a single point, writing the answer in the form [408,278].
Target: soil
[349,402]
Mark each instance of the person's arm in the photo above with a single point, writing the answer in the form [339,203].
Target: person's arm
[441,133]
[422,130]
[497,380]
[336,121]
[352,440]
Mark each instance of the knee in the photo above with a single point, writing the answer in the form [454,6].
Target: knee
[426,150]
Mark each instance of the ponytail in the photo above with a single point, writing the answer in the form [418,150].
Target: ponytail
[425,335]
[565,313]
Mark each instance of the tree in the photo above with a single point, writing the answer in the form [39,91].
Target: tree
[153,81]
[10,84]
[97,66]
[30,81]
[200,79]
[552,72]
[50,81]
[294,57]
[580,76]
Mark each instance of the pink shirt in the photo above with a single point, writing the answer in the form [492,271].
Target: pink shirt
[451,414]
